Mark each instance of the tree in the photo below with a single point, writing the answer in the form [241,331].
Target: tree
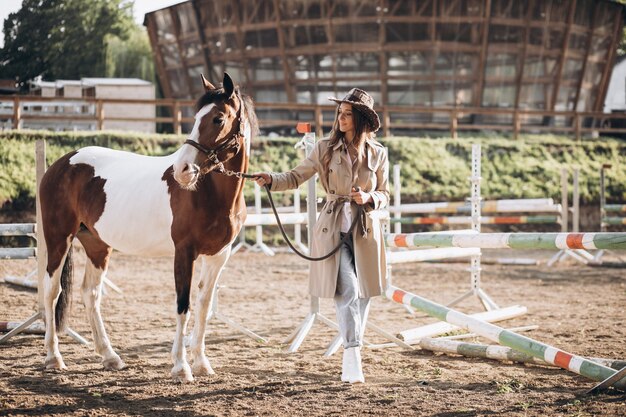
[131,57]
[61,39]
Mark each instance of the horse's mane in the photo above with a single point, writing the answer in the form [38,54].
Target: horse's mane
[212,96]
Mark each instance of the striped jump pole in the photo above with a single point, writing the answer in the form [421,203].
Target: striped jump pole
[489,206]
[523,344]
[615,240]
[614,220]
[483,220]
[615,208]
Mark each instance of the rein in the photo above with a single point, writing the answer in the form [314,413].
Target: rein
[297,252]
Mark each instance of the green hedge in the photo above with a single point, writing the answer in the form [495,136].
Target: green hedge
[432,169]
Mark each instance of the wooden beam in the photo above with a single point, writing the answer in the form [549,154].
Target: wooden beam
[157,54]
[521,58]
[480,81]
[287,71]
[610,57]
[242,53]
[206,54]
[181,51]
[586,59]
[565,48]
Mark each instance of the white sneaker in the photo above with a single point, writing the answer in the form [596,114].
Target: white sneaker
[351,370]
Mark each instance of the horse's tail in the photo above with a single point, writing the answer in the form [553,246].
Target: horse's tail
[64,302]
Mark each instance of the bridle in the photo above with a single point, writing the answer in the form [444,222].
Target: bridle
[234,141]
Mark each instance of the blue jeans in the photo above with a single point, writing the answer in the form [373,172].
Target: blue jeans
[351,310]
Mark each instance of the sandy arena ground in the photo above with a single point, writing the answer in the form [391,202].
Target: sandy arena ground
[578,309]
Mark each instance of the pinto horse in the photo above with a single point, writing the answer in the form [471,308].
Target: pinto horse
[189,204]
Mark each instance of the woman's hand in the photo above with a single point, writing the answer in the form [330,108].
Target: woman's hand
[262,178]
[360,197]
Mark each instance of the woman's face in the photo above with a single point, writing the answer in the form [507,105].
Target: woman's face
[344,117]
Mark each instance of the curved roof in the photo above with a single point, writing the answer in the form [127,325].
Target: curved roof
[535,54]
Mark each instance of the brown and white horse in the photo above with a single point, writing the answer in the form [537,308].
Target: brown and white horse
[182,205]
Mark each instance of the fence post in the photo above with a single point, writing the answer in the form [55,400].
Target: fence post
[177,118]
[577,126]
[99,115]
[516,125]
[17,112]
[319,119]
[386,123]
[453,124]
[42,258]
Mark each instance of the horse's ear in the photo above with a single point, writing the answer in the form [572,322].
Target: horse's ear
[229,86]
[207,85]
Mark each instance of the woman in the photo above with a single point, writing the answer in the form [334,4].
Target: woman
[353,170]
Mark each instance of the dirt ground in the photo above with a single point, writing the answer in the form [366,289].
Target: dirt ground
[578,309]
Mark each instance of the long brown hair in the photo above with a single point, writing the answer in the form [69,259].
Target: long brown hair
[362,131]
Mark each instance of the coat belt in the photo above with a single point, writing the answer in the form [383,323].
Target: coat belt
[338,199]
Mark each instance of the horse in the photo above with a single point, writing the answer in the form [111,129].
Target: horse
[188,204]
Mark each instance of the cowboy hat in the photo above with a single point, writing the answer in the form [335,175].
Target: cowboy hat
[363,102]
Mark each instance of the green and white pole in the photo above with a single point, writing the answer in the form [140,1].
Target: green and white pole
[552,355]
[615,240]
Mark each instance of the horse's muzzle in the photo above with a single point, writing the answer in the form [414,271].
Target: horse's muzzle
[188,177]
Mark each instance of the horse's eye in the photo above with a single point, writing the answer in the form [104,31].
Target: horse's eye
[218,120]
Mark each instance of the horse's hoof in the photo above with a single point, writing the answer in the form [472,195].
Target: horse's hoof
[182,374]
[114,363]
[54,362]
[202,368]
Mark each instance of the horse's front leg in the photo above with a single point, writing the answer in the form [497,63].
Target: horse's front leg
[183,271]
[212,267]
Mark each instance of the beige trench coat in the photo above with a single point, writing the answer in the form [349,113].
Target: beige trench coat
[369,251]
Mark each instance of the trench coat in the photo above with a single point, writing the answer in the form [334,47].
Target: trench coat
[369,242]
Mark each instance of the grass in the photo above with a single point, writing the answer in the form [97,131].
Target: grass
[431,169]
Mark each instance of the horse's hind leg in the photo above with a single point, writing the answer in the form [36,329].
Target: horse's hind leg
[57,251]
[212,267]
[98,254]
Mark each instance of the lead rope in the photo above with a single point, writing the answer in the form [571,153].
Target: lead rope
[241,175]
[300,254]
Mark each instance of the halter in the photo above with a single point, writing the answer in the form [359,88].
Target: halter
[212,153]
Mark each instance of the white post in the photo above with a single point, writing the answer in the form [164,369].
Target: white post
[564,201]
[259,245]
[297,229]
[576,203]
[397,228]
[475,201]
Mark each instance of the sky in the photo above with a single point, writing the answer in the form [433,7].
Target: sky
[141,8]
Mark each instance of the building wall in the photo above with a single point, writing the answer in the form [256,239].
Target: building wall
[124,110]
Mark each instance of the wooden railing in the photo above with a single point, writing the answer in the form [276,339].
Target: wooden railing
[178,114]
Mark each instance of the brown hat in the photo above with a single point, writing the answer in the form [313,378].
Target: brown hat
[364,103]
